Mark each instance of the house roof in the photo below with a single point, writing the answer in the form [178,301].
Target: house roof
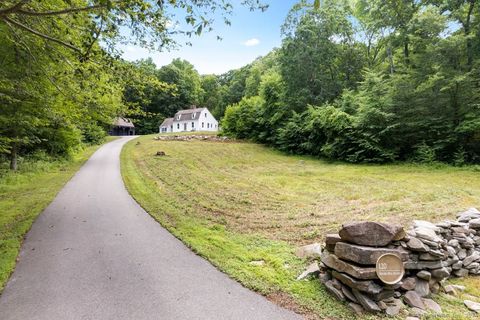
[188,114]
[123,122]
[167,122]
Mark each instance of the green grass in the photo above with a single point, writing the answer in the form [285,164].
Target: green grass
[24,195]
[234,203]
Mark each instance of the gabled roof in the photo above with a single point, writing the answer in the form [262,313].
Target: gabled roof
[167,122]
[188,114]
[123,122]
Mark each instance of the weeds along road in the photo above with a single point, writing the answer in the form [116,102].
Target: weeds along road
[95,254]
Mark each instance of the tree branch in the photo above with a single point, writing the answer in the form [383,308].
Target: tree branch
[26,28]
[59,12]
[14,8]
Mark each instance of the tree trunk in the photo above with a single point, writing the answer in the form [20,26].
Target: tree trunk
[390,59]
[467,35]
[406,52]
[14,157]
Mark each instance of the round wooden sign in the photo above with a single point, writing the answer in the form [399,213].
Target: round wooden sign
[390,268]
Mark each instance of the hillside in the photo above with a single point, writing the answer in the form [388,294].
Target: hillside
[236,202]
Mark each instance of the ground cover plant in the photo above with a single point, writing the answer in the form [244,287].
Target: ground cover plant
[25,194]
[236,203]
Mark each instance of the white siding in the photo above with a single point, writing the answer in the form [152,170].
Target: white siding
[206,118]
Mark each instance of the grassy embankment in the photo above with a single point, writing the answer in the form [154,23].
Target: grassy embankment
[234,203]
[25,194]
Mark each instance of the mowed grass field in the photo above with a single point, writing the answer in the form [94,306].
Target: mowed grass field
[235,203]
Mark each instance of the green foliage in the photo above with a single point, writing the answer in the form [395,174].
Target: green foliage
[391,81]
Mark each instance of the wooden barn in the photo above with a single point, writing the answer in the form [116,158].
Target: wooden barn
[122,127]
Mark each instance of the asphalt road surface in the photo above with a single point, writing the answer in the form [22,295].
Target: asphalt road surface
[94,253]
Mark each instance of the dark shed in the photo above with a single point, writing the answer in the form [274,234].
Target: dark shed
[122,127]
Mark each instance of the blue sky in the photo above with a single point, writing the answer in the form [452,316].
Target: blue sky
[252,34]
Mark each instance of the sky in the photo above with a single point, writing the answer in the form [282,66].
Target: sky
[252,34]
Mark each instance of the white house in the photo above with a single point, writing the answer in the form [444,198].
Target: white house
[198,119]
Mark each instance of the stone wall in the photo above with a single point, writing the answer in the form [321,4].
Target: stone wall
[430,253]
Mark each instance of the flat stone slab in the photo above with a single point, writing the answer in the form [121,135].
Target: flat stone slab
[366,302]
[369,233]
[471,305]
[362,273]
[364,255]
[414,300]
[362,285]
[313,250]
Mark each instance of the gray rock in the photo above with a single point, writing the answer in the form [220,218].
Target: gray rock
[473,266]
[471,258]
[409,283]
[474,224]
[336,293]
[453,243]
[468,215]
[362,273]
[356,308]
[331,240]
[449,289]
[416,245]
[428,257]
[412,318]
[457,265]
[420,265]
[432,244]
[422,288]
[427,234]
[371,233]
[422,224]
[364,255]
[474,306]
[412,299]
[311,270]
[385,294]
[324,277]
[425,275]
[361,285]
[432,306]
[366,302]
[313,250]
[451,251]
[462,254]
[461,273]
[441,273]
[348,293]
[393,311]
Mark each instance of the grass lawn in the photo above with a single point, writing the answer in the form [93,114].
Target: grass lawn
[24,195]
[234,203]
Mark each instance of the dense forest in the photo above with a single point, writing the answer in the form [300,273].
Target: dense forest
[369,81]
[358,81]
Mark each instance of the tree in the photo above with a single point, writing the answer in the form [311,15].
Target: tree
[148,22]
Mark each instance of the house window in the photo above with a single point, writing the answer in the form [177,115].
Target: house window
[185,126]
[203,124]
[178,117]
[178,125]
[193,115]
[171,127]
[193,125]
[208,125]
[205,114]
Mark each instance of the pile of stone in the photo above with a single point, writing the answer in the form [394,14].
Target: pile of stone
[349,273]
[191,137]
[430,254]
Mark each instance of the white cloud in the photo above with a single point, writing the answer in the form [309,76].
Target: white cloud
[251,42]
